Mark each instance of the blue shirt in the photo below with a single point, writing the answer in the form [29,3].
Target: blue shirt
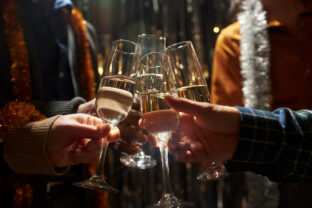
[276,144]
[49,31]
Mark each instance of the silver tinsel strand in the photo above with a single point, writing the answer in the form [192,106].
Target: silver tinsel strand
[255,55]
[255,66]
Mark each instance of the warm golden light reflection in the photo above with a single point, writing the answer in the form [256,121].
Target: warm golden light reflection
[110,69]
[120,65]
[100,64]
[216,29]
[193,77]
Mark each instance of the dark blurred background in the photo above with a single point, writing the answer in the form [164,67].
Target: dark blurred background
[197,20]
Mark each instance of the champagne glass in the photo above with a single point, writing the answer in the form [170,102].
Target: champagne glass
[157,80]
[146,43]
[191,84]
[113,101]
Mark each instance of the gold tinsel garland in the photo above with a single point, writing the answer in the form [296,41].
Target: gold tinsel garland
[17,113]
[87,73]
[20,75]
[19,69]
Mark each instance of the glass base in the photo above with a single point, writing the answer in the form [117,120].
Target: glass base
[214,172]
[96,182]
[170,201]
[139,160]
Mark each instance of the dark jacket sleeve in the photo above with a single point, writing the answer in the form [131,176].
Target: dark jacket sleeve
[53,108]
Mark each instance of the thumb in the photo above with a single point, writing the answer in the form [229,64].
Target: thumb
[186,106]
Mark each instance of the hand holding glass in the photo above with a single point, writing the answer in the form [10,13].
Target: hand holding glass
[191,84]
[113,101]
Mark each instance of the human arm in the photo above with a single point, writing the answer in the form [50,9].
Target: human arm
[40,147]
[277,144]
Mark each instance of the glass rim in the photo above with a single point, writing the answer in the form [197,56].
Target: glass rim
[151,53]
[179,44]
[127,41]
[152,36]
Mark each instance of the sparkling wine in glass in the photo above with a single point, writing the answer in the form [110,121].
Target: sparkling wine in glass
[156,81]
[113,102]
[145,44]
[191,84]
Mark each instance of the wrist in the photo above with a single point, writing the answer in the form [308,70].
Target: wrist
[234,136]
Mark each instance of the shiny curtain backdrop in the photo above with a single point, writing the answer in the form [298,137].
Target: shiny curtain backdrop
[178,20]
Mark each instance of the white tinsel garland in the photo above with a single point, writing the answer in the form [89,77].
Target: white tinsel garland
[255,66]
[255,55]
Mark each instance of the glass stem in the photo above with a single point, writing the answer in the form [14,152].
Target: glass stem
[100,164]
[141,152]
[167,189]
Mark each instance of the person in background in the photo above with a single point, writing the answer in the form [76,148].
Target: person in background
[48,68]
[264,61]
